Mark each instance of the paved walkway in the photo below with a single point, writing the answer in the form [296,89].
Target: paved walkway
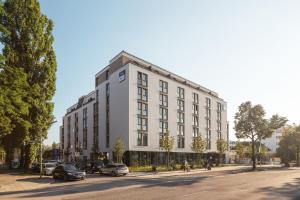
[197,171]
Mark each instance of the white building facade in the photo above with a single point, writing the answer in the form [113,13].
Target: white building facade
[138,102]
[272,142]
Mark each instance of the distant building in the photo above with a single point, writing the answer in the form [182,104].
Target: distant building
[139,102]
[273,142]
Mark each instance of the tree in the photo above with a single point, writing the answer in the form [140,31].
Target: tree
[289,145]
[28,47]
[222,146]
[239,149]
[167,144]
[250,123]
[198,146]
[119,149]
[14,110]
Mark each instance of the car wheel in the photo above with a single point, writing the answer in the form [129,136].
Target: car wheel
[125,174]
[54,177]
[100,172]
[113,173]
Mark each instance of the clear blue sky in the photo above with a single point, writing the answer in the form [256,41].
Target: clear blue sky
[244,50]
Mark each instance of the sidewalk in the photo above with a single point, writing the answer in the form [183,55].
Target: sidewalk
[196,171]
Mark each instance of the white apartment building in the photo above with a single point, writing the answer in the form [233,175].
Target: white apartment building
[272,142]
[138,101]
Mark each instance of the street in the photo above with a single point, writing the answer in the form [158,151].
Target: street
[269,184]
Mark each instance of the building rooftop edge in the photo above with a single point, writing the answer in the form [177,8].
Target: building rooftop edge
[135,58]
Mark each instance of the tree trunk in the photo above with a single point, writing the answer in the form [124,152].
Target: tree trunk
[28,157]
[22,159]
[9,155]
[253,156]
[297,157]
[168,159]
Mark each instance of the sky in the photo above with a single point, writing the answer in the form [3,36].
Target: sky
[243,50]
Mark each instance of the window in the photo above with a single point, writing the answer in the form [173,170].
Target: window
[195,132]
[163,100]
[195,98]
[142,124]
[208,113]
[180,129]
[163,127]
[163,86]
[208,102]
[208,124]
[180,105]
[180,141]
[195,120]
[106,74]
[208,139]
[163,113]
[107,89]
[219,126]
[219,107]
[122,75]
[180,117]
[142,79]
[142,139]
[142,109]
[180,93]
[142,94]
[85,128]
[195,109]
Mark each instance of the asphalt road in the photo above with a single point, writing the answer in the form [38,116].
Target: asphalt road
[267,185]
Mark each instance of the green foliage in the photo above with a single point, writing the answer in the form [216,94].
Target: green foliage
[222,145]
[289,145]
[198,146]
[29,63]
[119,149]
[250,123]
[240,149]
[167,144]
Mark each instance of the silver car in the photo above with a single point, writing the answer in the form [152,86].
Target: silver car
[114,169]
[48,168]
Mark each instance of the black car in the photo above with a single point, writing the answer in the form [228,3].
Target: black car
[68,172]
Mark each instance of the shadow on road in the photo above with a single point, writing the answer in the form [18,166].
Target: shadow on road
[85,187]
[290,190]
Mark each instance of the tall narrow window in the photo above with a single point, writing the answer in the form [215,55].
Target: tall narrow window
[142,104]
[180,118]
[107,112]
[85,128]
[208,122]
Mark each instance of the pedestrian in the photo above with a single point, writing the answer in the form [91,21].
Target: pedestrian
[186,165]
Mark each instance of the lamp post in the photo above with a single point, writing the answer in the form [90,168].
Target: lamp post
[41,152]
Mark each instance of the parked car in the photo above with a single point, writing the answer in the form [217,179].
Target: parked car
[35,167]
[114,169]
[94,167]
[68,172]
[48,168]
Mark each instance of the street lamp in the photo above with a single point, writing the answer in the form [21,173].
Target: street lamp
[41,151]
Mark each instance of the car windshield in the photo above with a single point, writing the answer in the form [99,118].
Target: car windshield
[70,168]
[50,165]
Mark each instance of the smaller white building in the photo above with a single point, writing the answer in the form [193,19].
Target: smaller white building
[273,142]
